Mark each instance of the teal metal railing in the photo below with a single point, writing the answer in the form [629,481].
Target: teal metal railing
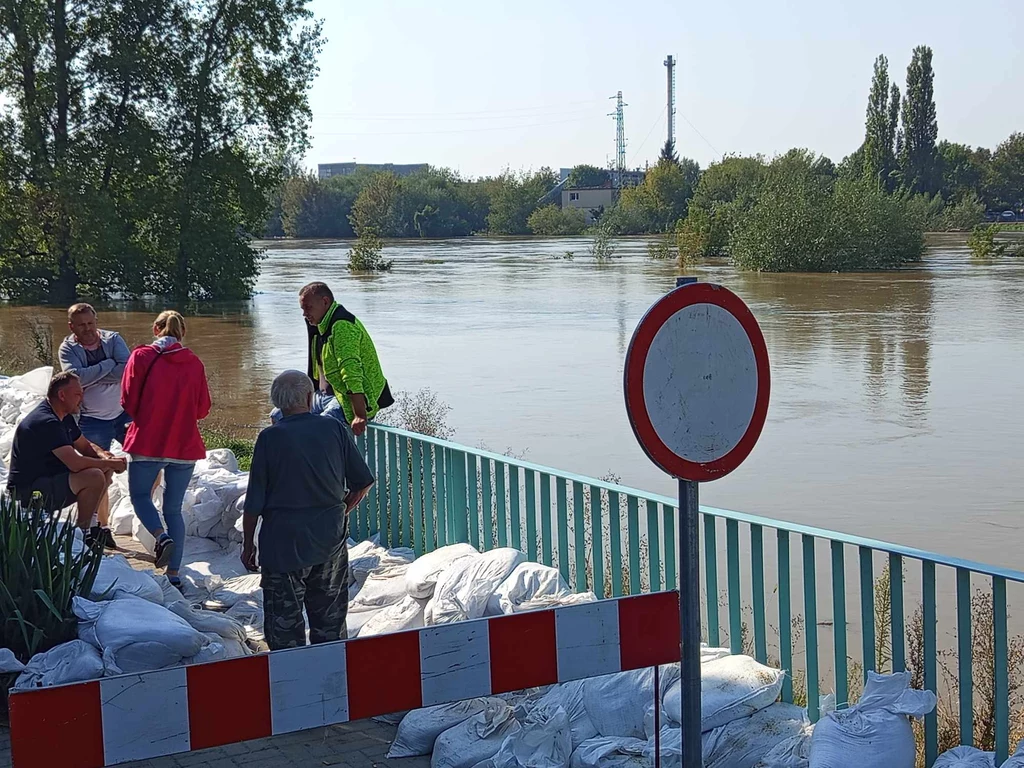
[617,541]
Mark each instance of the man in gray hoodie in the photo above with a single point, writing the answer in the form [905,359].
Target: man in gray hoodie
[98,358]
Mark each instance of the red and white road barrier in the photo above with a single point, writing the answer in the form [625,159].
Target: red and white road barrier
[135,717]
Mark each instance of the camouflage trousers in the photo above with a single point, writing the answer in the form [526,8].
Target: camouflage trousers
[322,590]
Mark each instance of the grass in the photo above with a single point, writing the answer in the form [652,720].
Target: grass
[242,447]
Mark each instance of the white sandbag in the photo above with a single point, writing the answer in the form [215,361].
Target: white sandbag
[671,747]
[1016,760]
[463,589]
[210,560]
[616,703]
[407,613]
[742,743]
[421,578]
[224,594]
[731,687]
[527,582]
[876,731]
[35,382]
[9,664]
[135,635]
[366,558]
[476,739]
[71,662]
[122,517]
[208,622]
[794,752]
[383,587]
[356,620]
[543,741]
[965,757]
[116,578]
[420,728]
[249,613]
[569,696]
[610,752]
[556,601]
[218,458]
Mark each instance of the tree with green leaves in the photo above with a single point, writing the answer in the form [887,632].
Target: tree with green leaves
[552,221]
[726,192]
[377,209]
[588,176]
[515,197]
[920,129]
[668,152]
[1004,185]
[961,169]
[879,155]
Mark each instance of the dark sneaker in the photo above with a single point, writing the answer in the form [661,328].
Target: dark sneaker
[176,583]
[107,537]
[164,550]
[92,538]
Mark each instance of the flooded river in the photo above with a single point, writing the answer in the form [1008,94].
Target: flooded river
[894,410]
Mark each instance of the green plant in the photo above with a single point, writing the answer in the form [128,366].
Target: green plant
[366,254]
[660,248]
[983,244]
[39,575]
[241,447]
[601,247]
[423,412]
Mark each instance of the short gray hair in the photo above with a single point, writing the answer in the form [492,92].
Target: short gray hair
[291,391]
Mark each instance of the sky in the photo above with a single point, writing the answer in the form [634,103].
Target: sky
[493,84]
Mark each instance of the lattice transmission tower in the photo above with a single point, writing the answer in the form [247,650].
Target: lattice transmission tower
[620,138]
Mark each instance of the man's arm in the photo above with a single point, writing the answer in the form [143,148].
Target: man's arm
[255,502]
[121,355]
[91,450]
[354,498]
[76,462]
[345,338]
[358,479]
[88,374]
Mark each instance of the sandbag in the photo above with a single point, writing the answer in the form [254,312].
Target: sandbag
[382,587]
[569,696]
[421,578]
[793,752]
[219,649]
[556,601]
[9,664]
[223,626]
[116,578]
[355,620]
[249,613]
[407,613]
[1016,760]
[610,752]
[965,757]
[366,558]
[135,635]
[476,739]
[463,589]
[420,728]
[875,732]
[543,741]
[526,583]
[34,382]
[731,687]
[671,747]
[616,703]
[742,743]
[122,516]
[71,662]
[225,593]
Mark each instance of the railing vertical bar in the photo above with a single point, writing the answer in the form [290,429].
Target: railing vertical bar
[964,655]
[380,520]
[615,539]
[499,498]
[513,506]
[839,622]
[654,545]
[429,508]
[488,533]
[474,499]
[711,579]
[394,505]
[404,467]
[417,496]
[531,515]
[633,532]
[460,509]
[732,561]
[355,519]
[867,608]
[368,508]
[757,592]
[898,635]
[441,463]
[1002,677]
[931,723]
[579,543]
[562,502]
[785,615]
[597,542]
[811,626]
[545,520]
[668,515]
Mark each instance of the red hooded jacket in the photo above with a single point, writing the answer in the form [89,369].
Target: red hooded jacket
[165,392]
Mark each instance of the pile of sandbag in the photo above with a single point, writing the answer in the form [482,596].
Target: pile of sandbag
[18,396]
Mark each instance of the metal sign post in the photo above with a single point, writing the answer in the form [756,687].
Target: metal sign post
[696,384]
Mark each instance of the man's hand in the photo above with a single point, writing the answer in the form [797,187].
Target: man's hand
[249,558]
[358,426]
[119,465]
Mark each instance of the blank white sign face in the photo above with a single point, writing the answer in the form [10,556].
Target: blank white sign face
[700,383]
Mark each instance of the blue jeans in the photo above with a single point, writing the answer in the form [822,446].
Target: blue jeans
[103,432]
[323,405]
[141,476]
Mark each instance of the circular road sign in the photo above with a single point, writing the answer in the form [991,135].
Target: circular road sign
[697,382]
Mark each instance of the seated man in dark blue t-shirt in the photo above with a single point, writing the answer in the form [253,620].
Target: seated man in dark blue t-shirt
[306,475]
[51,456]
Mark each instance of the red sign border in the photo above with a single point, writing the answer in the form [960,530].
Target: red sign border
[633,378]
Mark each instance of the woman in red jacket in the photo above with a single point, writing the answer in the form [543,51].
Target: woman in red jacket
[165,392]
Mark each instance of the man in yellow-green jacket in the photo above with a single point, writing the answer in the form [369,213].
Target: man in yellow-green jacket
[342,361]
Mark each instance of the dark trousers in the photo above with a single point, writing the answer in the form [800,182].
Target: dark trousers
[321,589]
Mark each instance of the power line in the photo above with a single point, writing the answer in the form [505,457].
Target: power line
[699,133]
[458,130]
[493,112]
[657,122]
[389,118]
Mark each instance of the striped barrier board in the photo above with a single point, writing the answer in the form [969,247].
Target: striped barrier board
[135,717]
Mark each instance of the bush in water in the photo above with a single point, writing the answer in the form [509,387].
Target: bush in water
[366,254]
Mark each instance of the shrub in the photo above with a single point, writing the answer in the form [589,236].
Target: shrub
[241,447]
[366,254]
[601,246]
[983,245]
[552,221]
